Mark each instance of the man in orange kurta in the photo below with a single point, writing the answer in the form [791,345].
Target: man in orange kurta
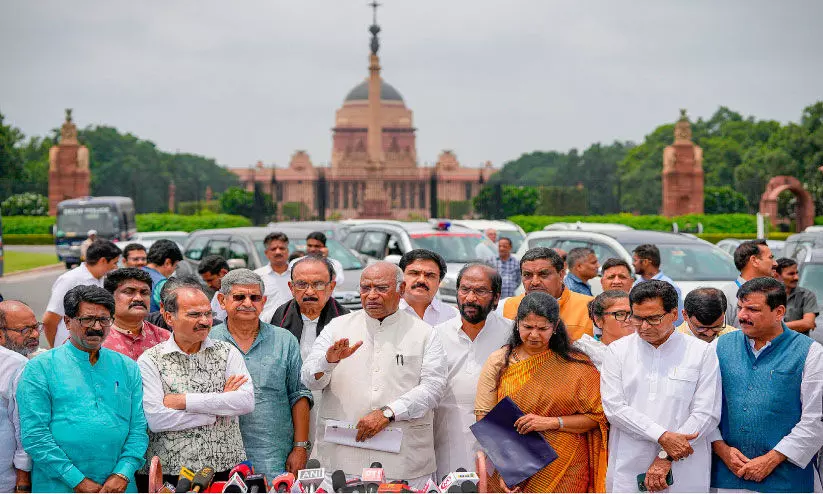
[542,270]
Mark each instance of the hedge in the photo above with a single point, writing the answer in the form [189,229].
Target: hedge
[28,239]
[152,222]
[818,220]
[717,237]
[712,223]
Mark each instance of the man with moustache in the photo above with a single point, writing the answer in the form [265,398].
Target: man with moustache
[276,274]
[395,371]
[616,275]
[753,258]
[771,425]
[81,412]
[646,262]
[423,270]
[15,463]
[19,329]
[212,269]
[131,335]
[801,304]
[468,342]
[276,434]
[508,267]
[163,257]
[195,388]
[661,393]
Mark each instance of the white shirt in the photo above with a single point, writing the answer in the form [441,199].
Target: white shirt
[65,282]
[277,290]
[11,449]
[414,403]
[647,391]
[201,408]
[455,445]
[339,272]
[436,313]
[219,312]
[806,438]
[594,349]
[308,335]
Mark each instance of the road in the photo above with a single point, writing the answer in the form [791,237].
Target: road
[40,249]
[32,288]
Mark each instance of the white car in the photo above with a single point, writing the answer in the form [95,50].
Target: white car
[504,228]
[147,238]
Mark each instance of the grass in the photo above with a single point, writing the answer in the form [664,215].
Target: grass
[19,261]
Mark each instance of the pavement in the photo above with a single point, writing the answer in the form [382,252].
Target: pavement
[32,287]
[40,249]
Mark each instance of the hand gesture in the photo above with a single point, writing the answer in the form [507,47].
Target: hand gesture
[114,483]
[757,469]
[88,485]
[297,460]
[370,425]
[677,445]
[340,349]
[656,475]
[732,457]
[531,423]
[234,382]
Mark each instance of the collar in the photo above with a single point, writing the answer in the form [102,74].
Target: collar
[78,354]
[129,333]
[389,320]
[84,270]
[675,335]
[739,281]
[574,277]
[271,272]
[306,319]
[170,346]
[436,305]
[564,297]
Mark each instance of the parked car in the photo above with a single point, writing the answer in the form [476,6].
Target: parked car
[388,241]
[332,229]
[730,245]
[804,247]
[243,248]
[811,278]
[689,261]
[146,239]
[504,228]
[587,227]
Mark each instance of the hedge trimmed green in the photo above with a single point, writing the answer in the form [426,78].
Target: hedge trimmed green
[28,239]
[712,223]
[717,237]
[151,222]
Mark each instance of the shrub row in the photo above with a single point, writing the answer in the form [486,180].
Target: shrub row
[717,237]
[712,223]
[152,222]
[27,225]
[28,239]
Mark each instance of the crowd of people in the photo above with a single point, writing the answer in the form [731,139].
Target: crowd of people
[637,388]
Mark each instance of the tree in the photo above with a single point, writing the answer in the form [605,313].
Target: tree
[497,201]
[11,162]
[236,200]
[722,200]
[26,204]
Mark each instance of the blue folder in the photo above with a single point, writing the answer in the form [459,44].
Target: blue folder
[516,456]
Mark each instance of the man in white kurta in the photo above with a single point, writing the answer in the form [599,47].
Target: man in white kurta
[468,341]
[661,393]
[393,372]
[423,270]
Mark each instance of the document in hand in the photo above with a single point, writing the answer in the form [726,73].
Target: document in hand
[516,456]
[345,433]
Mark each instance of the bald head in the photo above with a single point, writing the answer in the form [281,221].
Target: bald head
[384,269]
[19,329]
[381,288]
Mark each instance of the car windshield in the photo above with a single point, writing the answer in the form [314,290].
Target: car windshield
[811,278]
[336,251]
[694,262]
[79,220]
[455,247]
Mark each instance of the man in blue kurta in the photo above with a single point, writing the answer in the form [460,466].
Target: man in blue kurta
[770,427]
[81,406]
[276,434]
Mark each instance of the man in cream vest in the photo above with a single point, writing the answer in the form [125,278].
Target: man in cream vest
[379,367]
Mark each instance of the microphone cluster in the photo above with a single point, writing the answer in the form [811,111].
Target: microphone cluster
[243,479]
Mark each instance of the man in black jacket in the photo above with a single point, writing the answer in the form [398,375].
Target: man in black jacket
[313,306]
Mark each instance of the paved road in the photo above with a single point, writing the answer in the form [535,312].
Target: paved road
[42,249]
[33,289]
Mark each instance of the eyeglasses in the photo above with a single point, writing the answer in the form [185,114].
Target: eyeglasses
[479,292]
[706,329]
[618,315]
[239,297]
[652,320]
[26,331]
[318,286]
[381,289]
[91,321]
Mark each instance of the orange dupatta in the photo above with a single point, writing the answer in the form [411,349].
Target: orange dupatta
[550,386]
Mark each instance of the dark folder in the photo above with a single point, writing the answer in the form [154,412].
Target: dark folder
[516,456]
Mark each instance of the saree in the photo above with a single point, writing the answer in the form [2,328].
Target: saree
[550,386]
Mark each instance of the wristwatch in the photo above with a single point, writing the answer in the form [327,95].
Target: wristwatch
[303,444]
[388,413]
[664,456]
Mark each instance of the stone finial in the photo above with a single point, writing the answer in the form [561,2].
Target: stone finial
[68,132]
[683,114]
[683,129]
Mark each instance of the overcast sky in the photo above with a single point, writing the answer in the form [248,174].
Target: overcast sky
[257,79]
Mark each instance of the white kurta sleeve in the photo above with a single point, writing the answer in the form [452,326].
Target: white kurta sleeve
[806,438]
[616,407]
[316,361]
[707,403]
[230,403]
[426,395]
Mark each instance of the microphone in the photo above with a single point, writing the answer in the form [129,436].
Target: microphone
[469,486]
[338,480]
[216,487]
[202,479]
[256,482]
[312,476]
[454,488]
[244,468]
[395,487]
[458,478]
[167,487]
[184,480]
[430,486]
[283,482]
[235,483]
[373,476]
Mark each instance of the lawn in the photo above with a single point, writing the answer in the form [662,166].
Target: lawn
[19,261]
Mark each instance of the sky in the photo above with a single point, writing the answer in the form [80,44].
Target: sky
[490,80]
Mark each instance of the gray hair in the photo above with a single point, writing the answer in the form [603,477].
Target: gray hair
[315,258]
[168,293]
[578,254]
[398,273]
[241,277]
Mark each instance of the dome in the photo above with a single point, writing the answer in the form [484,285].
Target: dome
[361,92]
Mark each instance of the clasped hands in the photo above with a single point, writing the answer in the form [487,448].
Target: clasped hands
[755,469]
[114,483]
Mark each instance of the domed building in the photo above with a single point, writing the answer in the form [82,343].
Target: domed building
[374,172]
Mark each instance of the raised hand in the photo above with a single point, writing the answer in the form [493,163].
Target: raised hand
[234,382]
[340,349]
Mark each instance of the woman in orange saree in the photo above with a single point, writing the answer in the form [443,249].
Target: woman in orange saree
[559,391]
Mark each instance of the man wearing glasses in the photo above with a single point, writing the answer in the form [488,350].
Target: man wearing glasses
[468,340]
[19,329]
[194,389]
[374,367]
[15,463]
[704,314]
[661,392]
[276,434]
[80,405]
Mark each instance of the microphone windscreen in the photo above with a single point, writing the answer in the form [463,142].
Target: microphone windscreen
[461,469]
[312,463]
[338,480]
[468,486]
[376,464]
[244,469]
[183,485]
[203,479]
[454,488]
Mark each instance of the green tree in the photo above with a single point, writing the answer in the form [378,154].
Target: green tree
[11,161]
[25,204]
[236,200]
[722,200]
[497,201]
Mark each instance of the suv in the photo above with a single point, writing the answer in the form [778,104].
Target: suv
[811,278]
[687,260]
[804,247]
[388,241]
[504,228]
[243,248]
